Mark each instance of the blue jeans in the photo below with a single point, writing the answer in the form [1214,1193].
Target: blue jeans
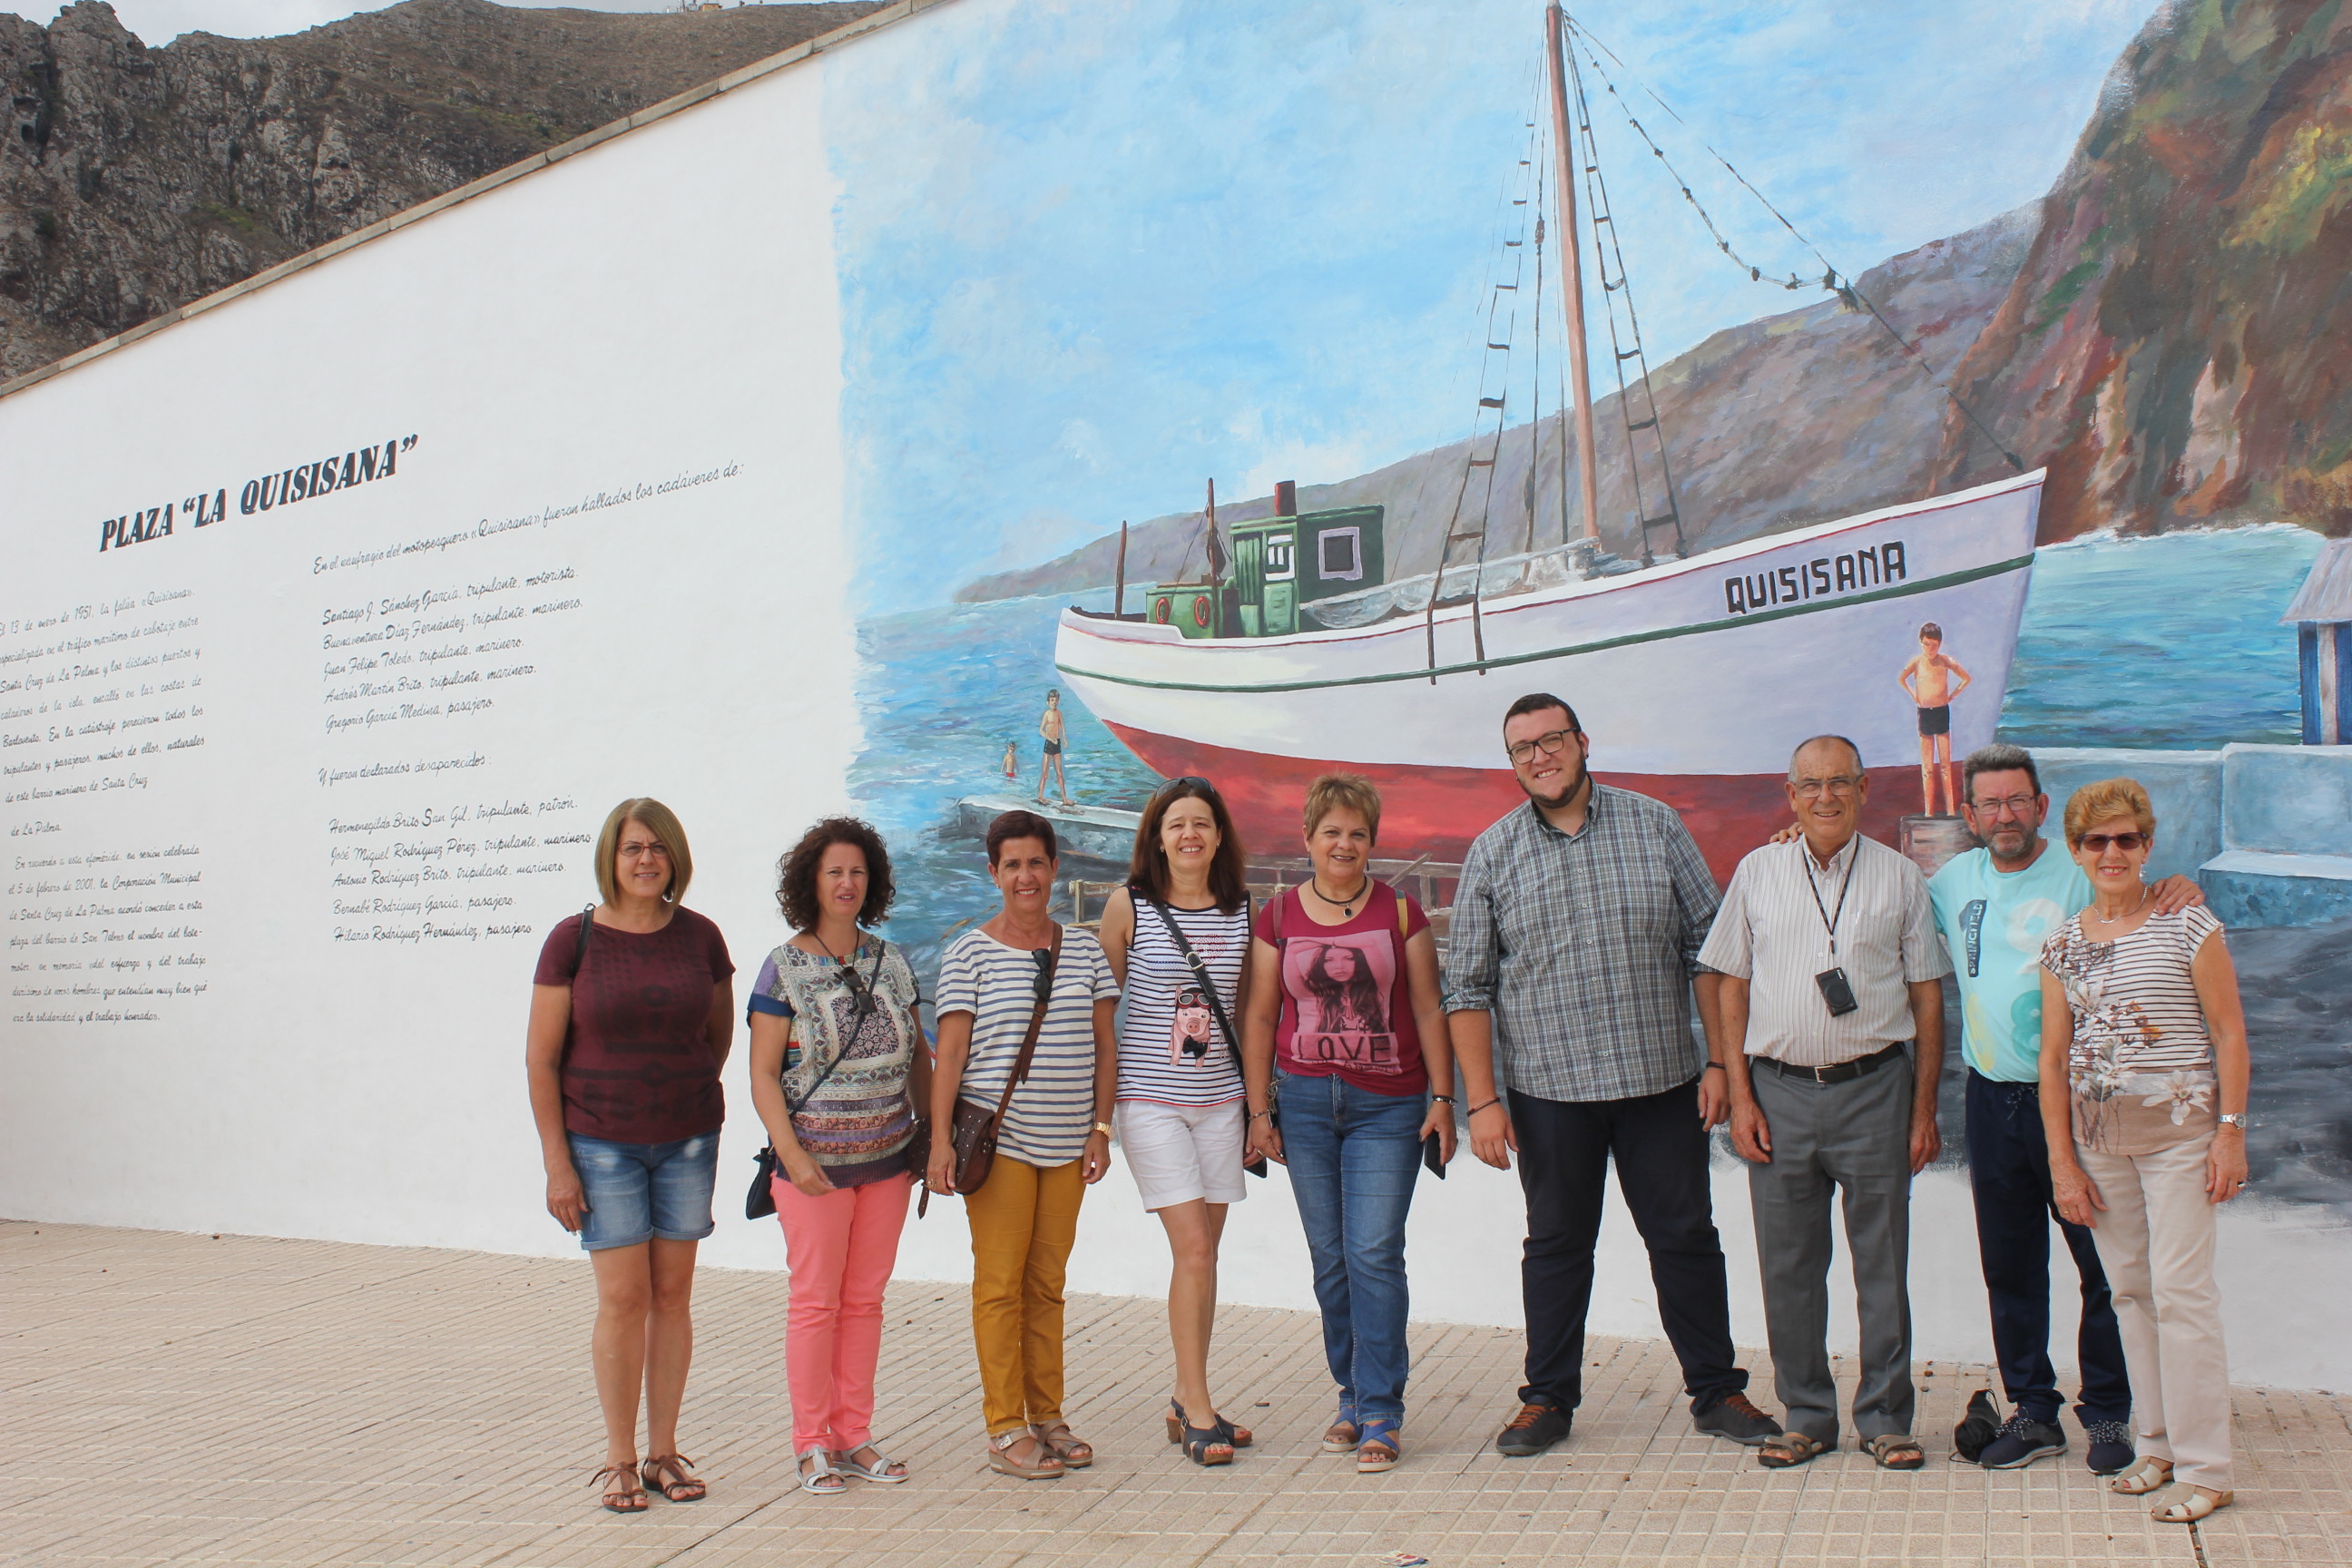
[639,1191]
[1353,1157]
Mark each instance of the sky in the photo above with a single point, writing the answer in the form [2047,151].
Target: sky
[1093,254]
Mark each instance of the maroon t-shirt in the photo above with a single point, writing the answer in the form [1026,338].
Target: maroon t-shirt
[1347,1002]
[638,1065]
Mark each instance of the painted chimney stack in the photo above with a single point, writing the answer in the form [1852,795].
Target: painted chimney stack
[1285,497]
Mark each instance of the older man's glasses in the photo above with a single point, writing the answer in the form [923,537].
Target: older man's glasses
[1550,744]
[2020,805]
[2096,843]
[1835,788]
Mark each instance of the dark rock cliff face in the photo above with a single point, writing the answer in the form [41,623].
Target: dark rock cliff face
[133,179]
[2177,347]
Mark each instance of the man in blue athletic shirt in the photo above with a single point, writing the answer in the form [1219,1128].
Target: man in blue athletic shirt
[1994,906]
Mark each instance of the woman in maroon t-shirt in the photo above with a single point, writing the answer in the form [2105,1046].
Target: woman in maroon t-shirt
[1343,1038]
[631,1015]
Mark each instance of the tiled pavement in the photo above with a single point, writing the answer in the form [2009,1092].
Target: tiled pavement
[169,1398]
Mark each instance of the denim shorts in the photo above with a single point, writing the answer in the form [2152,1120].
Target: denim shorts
[638,1191]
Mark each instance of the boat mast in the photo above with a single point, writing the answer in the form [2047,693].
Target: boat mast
[1571,274]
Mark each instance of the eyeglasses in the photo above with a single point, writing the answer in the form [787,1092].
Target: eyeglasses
[2096,843]
[1044,983]
[1552,743]
[1836,788]
[634,849]
[2007,806]
[1174,785]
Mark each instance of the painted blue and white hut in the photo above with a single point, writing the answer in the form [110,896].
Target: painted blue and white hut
[2321,617]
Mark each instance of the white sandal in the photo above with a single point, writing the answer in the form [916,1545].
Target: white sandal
[886,1469]
[2150,1475]
[2191,1504]
[820,1478]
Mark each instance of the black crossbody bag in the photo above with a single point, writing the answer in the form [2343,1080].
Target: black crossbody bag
[760,1200]
[1208,988]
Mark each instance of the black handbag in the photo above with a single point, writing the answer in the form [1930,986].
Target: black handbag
[760,1200]
[1208,988]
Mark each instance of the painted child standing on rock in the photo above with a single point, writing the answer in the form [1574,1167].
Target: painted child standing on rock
[1928,682]
[1050,725]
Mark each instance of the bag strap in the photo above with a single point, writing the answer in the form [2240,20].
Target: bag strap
[580,956]
[863,1010]
[1029,1041]
[1200,971]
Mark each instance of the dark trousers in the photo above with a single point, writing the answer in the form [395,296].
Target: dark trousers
[2009,1170]
[1661,1153]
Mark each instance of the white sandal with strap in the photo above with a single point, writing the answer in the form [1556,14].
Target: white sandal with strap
[820,1477]
[2150,1475]
[2191,1504]
[884,1468]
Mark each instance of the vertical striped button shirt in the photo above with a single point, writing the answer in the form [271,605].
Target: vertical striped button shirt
[1773,934]
[1582,947]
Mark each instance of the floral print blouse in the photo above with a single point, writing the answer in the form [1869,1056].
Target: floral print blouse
[2141,1063]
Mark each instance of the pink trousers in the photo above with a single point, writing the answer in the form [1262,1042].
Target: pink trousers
[840,1248]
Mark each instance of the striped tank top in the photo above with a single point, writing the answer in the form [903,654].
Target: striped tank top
[1171,1049]
[2141,1064]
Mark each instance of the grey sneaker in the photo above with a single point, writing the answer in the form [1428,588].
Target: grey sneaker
[1736,1417]
[2022,1441]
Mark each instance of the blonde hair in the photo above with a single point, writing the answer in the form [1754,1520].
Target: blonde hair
[2097,803]
[1350,792]
[662,822]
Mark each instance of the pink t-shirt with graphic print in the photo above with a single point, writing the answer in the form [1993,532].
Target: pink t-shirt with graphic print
[1347,1002]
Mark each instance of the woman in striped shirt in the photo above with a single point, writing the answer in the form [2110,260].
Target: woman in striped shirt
[1055,1141]
[2144,1076]
[1176,936]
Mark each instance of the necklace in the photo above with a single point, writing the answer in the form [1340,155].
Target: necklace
[1345,906]
[2119,919]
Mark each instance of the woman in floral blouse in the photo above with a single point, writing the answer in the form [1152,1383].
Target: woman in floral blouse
[2144,1073]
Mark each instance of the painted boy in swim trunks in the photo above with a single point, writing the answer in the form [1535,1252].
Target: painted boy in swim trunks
[1050,725]
[1927,681]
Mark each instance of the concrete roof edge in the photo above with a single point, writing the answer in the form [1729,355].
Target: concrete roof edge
[743,76]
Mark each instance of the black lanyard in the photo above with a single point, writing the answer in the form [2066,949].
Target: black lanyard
[1828,920]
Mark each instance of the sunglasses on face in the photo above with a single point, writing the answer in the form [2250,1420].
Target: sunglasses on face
[2096,843]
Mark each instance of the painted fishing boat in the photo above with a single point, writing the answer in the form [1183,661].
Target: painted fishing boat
[1295,653]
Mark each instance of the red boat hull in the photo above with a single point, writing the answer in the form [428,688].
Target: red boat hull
[1437,811]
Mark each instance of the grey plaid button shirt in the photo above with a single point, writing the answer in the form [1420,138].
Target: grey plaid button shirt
[1583,948]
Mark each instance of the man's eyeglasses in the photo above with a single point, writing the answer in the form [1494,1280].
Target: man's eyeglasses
[1835,788]
[2007,806]
[1552,742]
[1044,983]
[2096,843]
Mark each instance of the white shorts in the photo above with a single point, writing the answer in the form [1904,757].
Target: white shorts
[1179,1152]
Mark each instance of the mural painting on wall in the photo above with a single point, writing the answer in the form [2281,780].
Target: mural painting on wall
[2070,468]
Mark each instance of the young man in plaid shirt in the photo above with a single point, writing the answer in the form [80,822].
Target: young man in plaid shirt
[1575,943]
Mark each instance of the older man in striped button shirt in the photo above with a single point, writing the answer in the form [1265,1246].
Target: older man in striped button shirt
[1831,1013]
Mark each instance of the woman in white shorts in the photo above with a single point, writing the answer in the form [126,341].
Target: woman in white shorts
[1180,1081]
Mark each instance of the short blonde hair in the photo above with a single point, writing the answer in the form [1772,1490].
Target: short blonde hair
[662,822]
[2100,801]
[1350,792]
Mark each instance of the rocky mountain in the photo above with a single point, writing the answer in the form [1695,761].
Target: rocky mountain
[2177,346]
[135,179]
[2168,331]
[1790,419]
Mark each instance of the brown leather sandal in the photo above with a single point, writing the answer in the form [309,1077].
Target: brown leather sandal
[624,1495]
[1895,1451]
[683,1486]
[1067,1447]
[1045,1466]
[1787,1448]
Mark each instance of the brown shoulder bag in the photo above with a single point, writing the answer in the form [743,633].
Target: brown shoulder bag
[976,1125]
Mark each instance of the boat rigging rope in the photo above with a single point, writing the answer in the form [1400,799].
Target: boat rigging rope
[1831,280]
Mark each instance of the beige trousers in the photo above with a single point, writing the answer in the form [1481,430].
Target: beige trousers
[2156,1240]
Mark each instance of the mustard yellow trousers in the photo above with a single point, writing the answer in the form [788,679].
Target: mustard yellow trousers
[1024,1219]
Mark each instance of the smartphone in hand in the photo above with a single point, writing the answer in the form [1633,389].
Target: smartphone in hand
[1432,1154]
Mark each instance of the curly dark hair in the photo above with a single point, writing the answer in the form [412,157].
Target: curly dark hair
[796,872]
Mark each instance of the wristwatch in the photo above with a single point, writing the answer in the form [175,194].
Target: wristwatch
[1103,1127]
[2236,1119]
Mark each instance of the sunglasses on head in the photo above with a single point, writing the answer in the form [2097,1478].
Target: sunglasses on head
[2096,843]
[1173,785]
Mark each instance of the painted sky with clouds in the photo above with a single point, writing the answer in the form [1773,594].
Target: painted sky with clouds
[1093,251]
